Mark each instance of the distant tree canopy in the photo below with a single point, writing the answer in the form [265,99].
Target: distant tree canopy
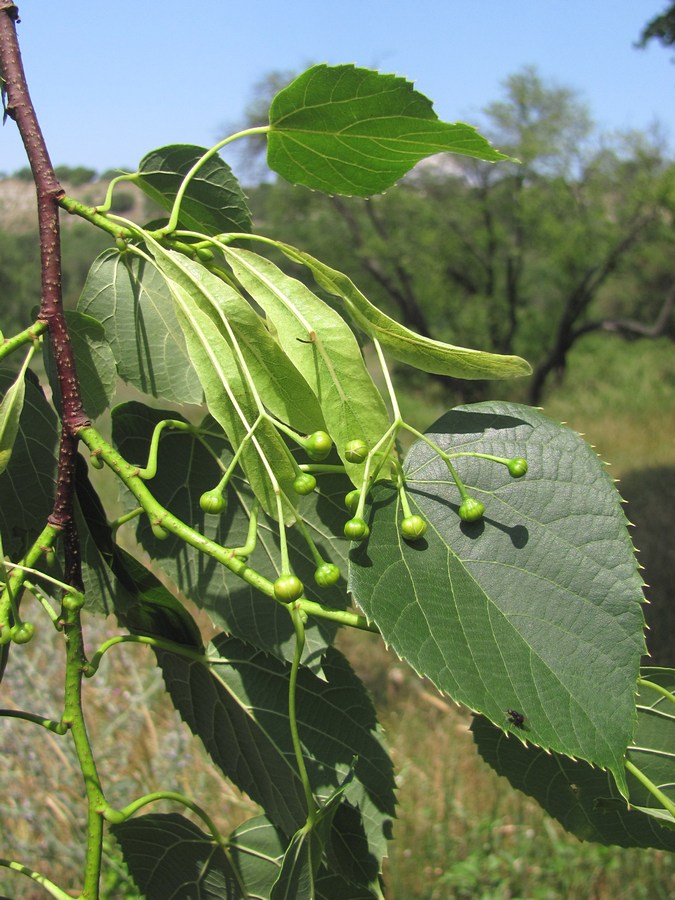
[660,28]
[514,258]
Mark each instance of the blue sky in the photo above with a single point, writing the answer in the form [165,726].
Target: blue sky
[111,81]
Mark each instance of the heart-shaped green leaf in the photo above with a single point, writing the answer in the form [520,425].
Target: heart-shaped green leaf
[536,607]
[345,130]
[213,202]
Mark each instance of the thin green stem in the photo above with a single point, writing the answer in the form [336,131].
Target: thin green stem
[161,516]
[49,724]
[42,880]
[117,816]
[150,469]
[341,616]
[251,535]
[127,517]
[156,643]
[175,212]
[665,801]
[645,682]
[27,336]
[299,627]
[107,203]
[73,717]
[16,577]
[67,588]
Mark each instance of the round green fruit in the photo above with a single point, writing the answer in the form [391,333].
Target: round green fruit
[517,467]
[318,446]
[356,451]
[73,601]
[212,502]
[471,510]
[22,633]
[327,575]
[304,484]
[356,529]
[413,527]
[288,588]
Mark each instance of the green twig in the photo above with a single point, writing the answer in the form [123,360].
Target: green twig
[644,682]
[49,724]
[27,336]
[666,802]
[156,643]
[298,625]
[42,880]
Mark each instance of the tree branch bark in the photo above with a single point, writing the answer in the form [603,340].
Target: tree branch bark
[19,108]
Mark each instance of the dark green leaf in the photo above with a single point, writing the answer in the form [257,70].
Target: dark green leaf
[257,849]
[130,298]
[185,470]
[169,858]
[344,130]
[535,607]
[584,799]
[214,201]
[402,343]
[96,369]
[28,484]
[653,747]
[213,703]
[249,738]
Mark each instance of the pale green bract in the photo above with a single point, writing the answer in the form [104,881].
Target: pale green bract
[400,342]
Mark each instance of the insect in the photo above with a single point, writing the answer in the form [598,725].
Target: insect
[516,718]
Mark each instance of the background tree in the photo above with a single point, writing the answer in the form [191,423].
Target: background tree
[525,259]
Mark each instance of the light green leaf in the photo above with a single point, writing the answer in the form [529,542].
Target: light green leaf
[281,387]
[536,607]
[586,800]
[185,470]
[231,402]
[401,343]
[10,414]
[213,202]
[345,130]
[169,856]
[322,347]
[131,300]
[96,369]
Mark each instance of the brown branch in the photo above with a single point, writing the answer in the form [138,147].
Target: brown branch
[19,107]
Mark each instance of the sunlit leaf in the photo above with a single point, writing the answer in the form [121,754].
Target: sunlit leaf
[10,414]
[280,385]
[213,202]
[536,607]
[345,130]
[323,348]
[402,343]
